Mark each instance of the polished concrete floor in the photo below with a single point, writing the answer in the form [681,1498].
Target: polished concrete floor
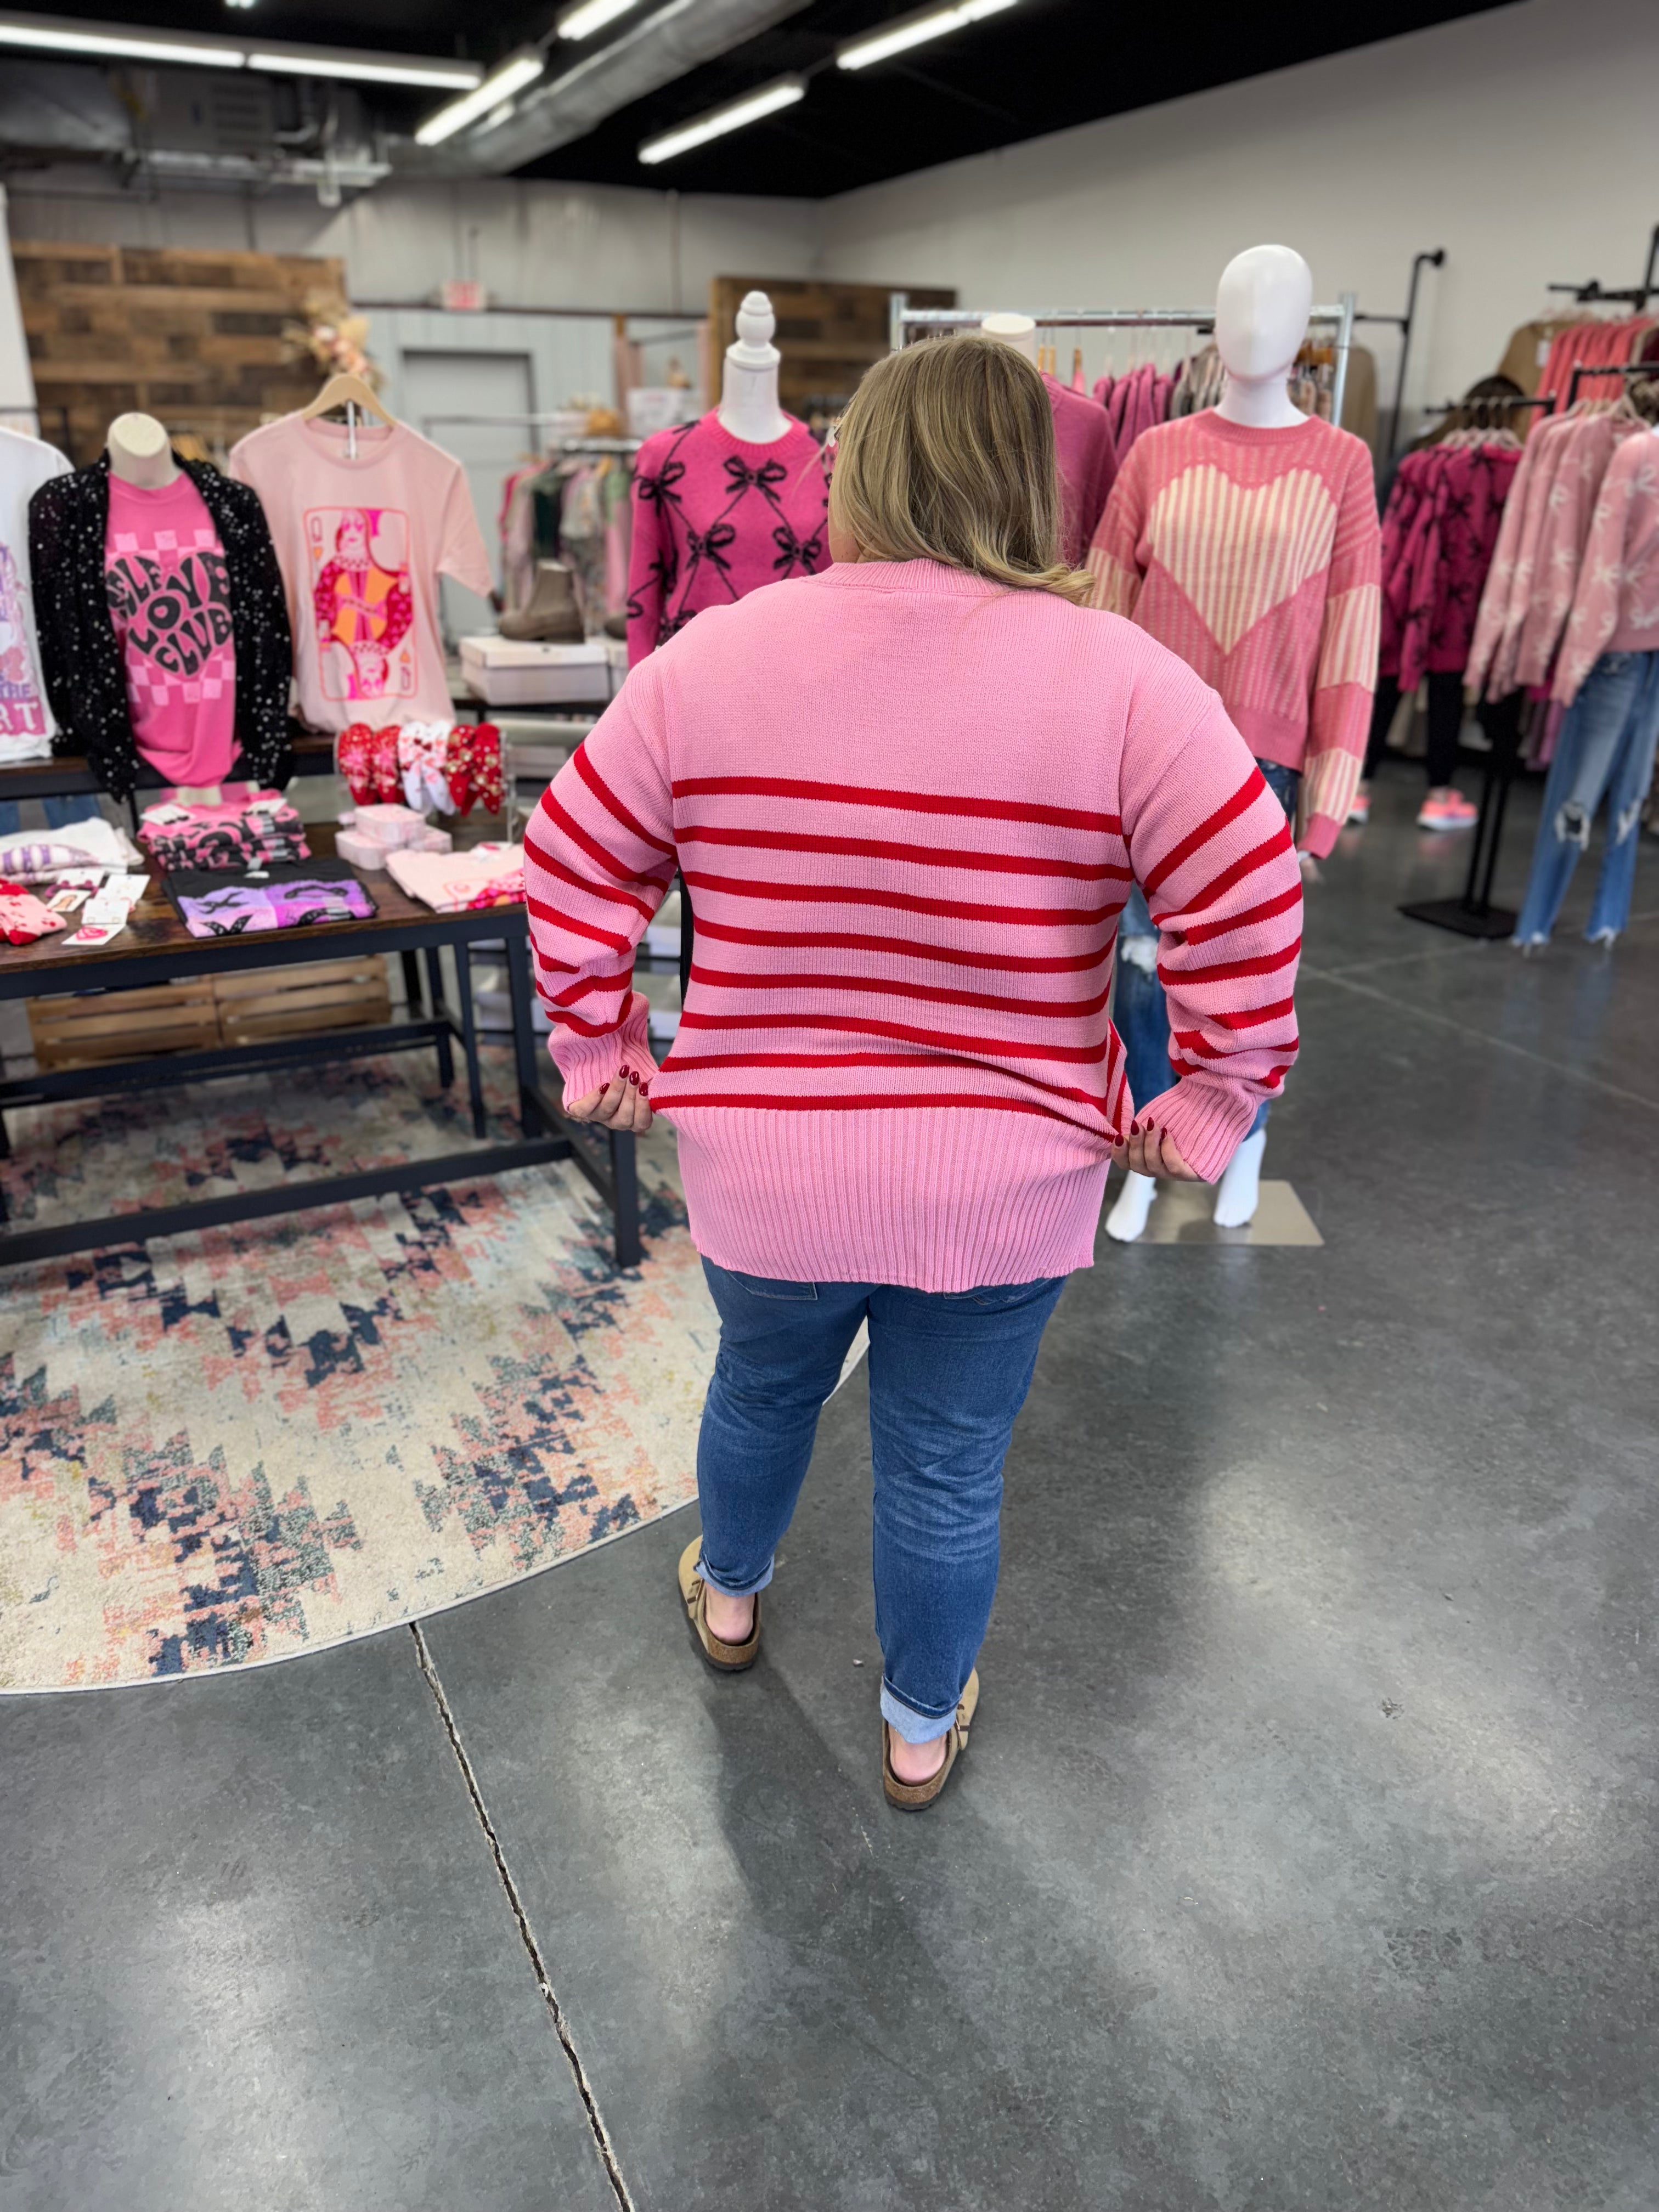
[1304,1860]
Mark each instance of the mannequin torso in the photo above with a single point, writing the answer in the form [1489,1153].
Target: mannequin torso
[1261,312]
[141,453]
[749,406]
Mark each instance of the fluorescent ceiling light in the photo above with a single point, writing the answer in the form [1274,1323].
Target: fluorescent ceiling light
[784,92]
[123,42]
[354,68]
[497,89]
[590,15]
[914,31]
[55,36]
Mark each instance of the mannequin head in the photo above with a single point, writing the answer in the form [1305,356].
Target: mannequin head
[1261,310]
[749,406]
[1017,330]
[140,452]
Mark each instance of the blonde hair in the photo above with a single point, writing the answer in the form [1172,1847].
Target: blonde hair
[946,453]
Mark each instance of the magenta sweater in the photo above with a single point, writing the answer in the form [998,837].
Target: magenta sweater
[1087,461]
[905,802]
[715,519]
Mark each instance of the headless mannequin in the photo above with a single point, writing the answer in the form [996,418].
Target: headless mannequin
[141,453]
[1017,330]
[749,405]
[1262,309]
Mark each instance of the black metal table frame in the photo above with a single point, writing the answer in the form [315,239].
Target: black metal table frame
[605,1158]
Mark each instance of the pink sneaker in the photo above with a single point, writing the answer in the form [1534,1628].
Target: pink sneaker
[1452,812]
[1359,811]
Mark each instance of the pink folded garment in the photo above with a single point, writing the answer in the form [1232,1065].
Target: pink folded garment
[452,882]
[361,851]
[23,917]
[390,826]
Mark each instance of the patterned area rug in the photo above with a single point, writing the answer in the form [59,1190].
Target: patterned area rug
[232,1448]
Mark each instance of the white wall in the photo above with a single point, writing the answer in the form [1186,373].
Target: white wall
[1522,140]
[533,245]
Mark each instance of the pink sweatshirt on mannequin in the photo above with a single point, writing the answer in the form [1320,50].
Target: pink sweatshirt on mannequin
[895,1062]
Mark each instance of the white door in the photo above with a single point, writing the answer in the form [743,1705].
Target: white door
[494,385]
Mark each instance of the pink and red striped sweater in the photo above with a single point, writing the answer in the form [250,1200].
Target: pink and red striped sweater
[908,806]
[1254,555]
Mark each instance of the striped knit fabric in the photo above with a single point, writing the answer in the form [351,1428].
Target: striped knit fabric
[1254,554]
[905,803]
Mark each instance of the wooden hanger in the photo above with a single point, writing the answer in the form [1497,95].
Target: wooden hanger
[348,391]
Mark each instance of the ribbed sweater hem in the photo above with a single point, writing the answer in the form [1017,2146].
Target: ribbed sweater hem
[924,1200]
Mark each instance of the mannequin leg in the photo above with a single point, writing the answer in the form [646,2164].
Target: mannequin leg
[1384,706]
[1445,806]
[1627,787]
[1610,692]
[1239,1191]
[1142,1023]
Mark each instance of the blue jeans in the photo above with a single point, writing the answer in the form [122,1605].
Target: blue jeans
[949,1370]
[1139,1015]
[59,811]
[1605,749]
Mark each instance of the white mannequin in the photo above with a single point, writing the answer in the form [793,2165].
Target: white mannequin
[749,405]
[1262,309]
[1017,330]
[141,453]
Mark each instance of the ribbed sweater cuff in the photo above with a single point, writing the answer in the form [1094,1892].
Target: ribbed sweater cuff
[588,1064]
[1208,1120]
[1320,837]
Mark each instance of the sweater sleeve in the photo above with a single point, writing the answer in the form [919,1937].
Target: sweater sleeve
[1212,852]
[598,856]
[1594,611]
[650,556]
[1345,675]
[1114,555]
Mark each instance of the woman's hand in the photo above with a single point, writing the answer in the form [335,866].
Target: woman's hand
[622,1105]
[1151,1151]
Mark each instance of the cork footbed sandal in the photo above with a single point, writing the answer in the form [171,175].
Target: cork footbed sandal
[725,1658]
[917,1797]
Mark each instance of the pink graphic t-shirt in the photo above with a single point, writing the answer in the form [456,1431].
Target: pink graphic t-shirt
[169,600]
[362,539]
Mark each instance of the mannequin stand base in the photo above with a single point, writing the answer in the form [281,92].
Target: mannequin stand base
[1491,921]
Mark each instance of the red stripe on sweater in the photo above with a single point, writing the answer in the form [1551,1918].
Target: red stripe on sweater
[1195,1041]
[841,1102]
[1280,841]
[928,993]
[1201,933]
[1196,839]
[613,805]
[1229,971]
[1003,1050]
[624,981]
[625,871]
[680,1062]
[876,848]
[837,940]
[908,802]
[558,919]
[617,897]
[906,902]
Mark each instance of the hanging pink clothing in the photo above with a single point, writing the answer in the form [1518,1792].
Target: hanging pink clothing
[715,518]
[169,603]
[1611,343]
[1615,608]
[1087,460]
[1443,522]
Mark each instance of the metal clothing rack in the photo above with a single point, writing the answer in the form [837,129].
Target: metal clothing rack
[1431,258]
[1639,371]
[1634,295]
[575,445]
[903,320]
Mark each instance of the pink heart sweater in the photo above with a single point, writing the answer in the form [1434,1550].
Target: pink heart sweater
[1254,555]
[909,805]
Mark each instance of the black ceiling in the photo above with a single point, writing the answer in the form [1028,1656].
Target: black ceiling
[1039,67]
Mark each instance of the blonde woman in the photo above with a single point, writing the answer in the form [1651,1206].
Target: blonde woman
[909,796]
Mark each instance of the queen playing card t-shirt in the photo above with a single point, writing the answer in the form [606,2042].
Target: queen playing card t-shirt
[361,542]
[169,601]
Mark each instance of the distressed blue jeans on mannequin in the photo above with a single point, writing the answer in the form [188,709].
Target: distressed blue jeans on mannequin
[949,1370]
[1139,1015]
[1605,749]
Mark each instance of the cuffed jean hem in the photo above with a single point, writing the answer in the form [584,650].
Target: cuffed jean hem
[734,1590]
[906,1722]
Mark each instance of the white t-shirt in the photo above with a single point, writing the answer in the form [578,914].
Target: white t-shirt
[26,723]
[360,543]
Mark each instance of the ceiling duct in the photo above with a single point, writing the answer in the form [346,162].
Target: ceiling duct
[665,45]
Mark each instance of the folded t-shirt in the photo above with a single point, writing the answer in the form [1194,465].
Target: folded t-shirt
[212,903]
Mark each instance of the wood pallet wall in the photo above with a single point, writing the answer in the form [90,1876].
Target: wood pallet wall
[195,339]
[829,334]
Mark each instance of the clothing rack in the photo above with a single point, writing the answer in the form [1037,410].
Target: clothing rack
[903,320]
[1431,258]
[1635,296]
[1641,371]
[578,444]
